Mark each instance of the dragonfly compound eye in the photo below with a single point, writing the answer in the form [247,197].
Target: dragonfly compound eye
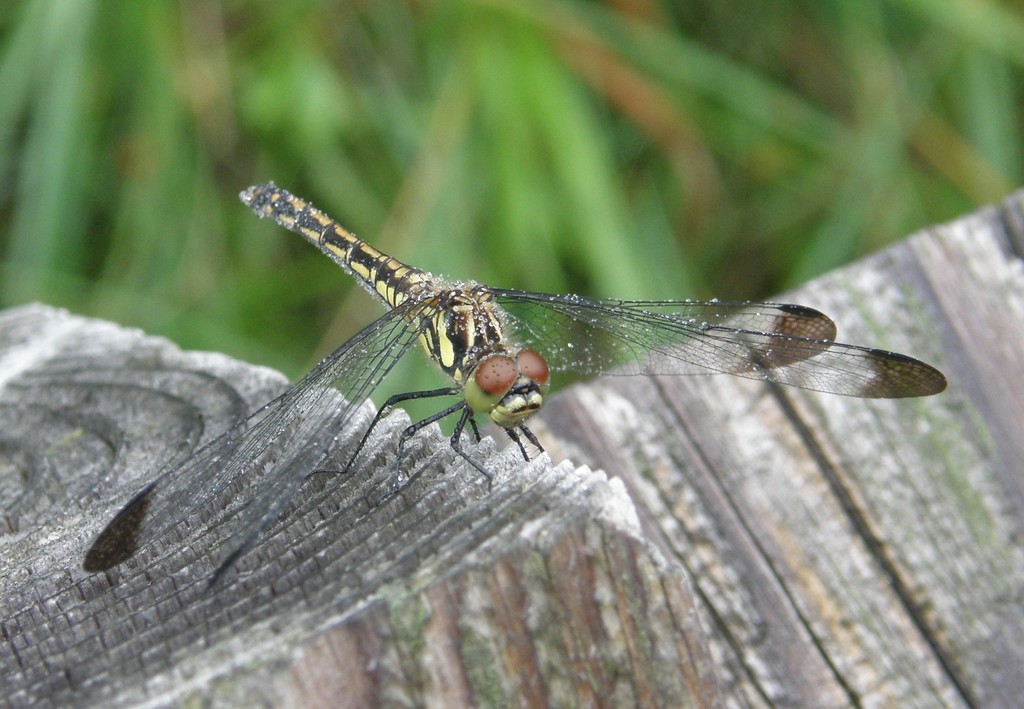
[496,375]
[490,382]
[533,367]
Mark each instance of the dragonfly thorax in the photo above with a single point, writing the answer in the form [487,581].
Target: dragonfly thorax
[459,327]
[509,390]
[463,331]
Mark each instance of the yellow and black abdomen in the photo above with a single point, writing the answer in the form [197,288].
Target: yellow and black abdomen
[385,277]
[458,324]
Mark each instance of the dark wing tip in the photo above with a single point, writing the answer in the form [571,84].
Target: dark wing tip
[801,321]
[898,376]
[119,540]
[803,311]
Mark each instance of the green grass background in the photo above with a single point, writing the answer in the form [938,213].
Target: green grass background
[728,148]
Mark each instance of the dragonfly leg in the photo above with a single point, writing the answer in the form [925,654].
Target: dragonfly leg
[411,431]
[532,438]
[386,409]
[476,430]
[511,432]
[456,440]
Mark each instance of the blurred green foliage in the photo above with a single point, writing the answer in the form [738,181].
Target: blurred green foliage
[633,148]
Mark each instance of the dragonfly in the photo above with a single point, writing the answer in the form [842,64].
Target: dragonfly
[500,350]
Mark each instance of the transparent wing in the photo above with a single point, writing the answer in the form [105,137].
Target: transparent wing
[787,344]
[269,454]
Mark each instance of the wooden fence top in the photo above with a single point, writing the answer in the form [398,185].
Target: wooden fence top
[744,545]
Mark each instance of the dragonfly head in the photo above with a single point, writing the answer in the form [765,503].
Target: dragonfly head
[508,389]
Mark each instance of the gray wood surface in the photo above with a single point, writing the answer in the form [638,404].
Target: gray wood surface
[746,546]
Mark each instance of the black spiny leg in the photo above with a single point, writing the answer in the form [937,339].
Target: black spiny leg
[386,409]
[476,430]
[519,441]
[467,416]
[532,439]
[456,439]
[411,430]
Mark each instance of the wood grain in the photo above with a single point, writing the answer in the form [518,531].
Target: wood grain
[747,545]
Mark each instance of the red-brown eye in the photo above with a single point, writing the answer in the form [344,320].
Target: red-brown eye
[533,367]
[496,374]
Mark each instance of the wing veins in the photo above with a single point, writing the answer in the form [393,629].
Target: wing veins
[280,443]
